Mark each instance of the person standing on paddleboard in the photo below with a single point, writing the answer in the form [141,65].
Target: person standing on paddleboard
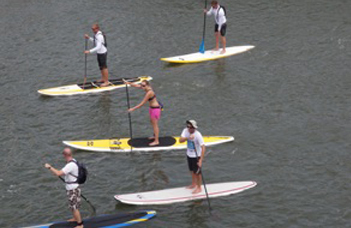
[219,13]
[70,171]
[99,41]
[155,108]
[195,153]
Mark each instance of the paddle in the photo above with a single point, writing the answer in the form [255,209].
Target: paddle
[85,63]
[130,119]
[203,179]
[202,45]
[90,204]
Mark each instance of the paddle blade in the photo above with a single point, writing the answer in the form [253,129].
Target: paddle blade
[202,47]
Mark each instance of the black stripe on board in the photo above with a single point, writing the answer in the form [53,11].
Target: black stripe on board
[144,142]
[102,220]
[116,81]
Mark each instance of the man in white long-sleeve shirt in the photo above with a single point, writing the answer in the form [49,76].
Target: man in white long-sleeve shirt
[221,25]
[101,50]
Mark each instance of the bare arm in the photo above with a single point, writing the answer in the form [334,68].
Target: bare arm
[131,84]
[146,99]
[54,171]
[203,149]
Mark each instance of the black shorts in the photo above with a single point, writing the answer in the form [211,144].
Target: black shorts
[223,29]
[193,167]
[102,60]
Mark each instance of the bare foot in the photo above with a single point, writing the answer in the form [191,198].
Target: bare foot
[81,226]
[191,186]
[222,52]
[151,138]
[197,190]
[154,143]
[104,84]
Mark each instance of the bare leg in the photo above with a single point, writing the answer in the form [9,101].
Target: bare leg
[217,41]
[193,181]
[154,123]
[198,180]
[77,217]
[104,77]
[224,42]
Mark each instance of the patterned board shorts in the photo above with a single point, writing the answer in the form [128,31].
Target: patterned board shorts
[74,198]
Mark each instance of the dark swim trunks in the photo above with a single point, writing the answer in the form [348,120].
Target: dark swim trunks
[102,60]
[223,29]
[193,167]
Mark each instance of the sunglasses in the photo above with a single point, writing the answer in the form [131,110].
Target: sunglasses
[189,126]
[143,85]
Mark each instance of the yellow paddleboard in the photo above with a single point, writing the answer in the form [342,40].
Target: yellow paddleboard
[140,144]
[208,55]
[90,87]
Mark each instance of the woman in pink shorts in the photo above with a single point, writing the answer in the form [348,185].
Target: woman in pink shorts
[154,107]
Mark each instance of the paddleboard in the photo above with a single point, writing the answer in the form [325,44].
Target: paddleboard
[208,55]
[177,195]
[90,87]
[111,221]
[140,144]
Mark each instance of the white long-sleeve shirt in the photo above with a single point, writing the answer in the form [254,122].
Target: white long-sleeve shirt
[219,16]
[99,42]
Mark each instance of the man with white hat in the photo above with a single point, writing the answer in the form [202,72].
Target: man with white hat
[195,153]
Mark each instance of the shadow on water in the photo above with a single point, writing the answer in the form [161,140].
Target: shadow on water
[220,68]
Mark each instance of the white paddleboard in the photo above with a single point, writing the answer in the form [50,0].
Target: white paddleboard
[90,87]
[208,55]
[176,195]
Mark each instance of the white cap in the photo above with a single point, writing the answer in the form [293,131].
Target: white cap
[192,122]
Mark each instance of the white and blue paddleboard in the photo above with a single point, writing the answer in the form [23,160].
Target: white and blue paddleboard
[110,221]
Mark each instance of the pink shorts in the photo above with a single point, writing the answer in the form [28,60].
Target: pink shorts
[155,113]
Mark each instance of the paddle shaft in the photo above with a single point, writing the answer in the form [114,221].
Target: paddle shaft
[203,179]
[130,117]
[204,29]
[202,45]
[91,205]
[85,62]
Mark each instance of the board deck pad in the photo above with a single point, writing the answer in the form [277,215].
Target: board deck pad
[182,194]
[90,87]
[116,220]
[144,142]
[123,145]
[208,55]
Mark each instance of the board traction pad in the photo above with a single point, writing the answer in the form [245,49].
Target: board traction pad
[144,142]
